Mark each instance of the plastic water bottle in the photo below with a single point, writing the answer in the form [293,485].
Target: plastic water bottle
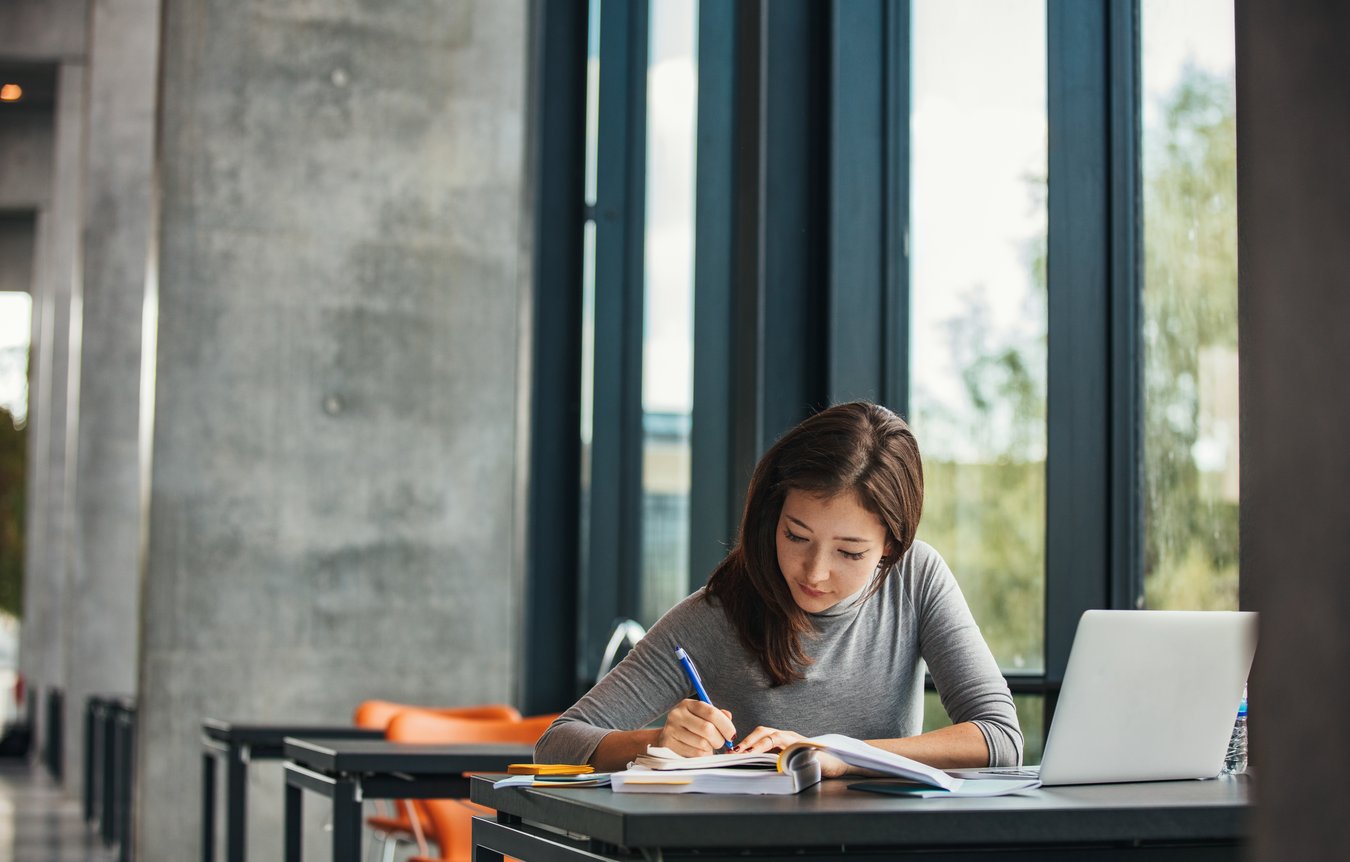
[1235,761]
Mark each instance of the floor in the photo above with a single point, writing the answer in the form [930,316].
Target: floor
[38,823]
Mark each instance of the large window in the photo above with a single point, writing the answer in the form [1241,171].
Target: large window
[1011,220]
[1190,306]
[978,306]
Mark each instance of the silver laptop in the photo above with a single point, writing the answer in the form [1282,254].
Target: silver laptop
[1147,696]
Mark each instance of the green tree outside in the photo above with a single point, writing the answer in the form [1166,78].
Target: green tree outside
[13,457]
[1190,327]
[986,516]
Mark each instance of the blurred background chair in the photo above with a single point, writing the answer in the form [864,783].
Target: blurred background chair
[389,826]
[447,821]
[625,636]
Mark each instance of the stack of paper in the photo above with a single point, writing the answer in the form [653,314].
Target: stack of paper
[743,778]
[794,769]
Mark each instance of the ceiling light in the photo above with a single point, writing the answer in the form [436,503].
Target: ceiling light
[10,93]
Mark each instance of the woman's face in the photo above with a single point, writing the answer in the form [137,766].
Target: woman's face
[828,547]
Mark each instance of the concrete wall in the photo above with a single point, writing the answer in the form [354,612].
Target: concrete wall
[1293,78]
[44,29]
[26,169]
[334,416]
[18,244]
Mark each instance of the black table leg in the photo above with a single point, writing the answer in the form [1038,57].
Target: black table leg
[208,807]
[90,721]
[294,827]
[127,727]
[99,766]
[485,854]
[346,822]
[482,853]
[236,804]
[108,803]
[119,762]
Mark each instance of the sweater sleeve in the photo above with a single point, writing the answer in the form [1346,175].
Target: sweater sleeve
[968,680]
[642,687]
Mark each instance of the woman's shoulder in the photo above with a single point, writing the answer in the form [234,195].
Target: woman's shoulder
[698,614]
[921,572]
[923,560]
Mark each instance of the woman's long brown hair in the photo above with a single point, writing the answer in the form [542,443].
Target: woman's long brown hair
[857,447]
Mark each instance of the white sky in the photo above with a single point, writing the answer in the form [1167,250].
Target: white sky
[672,83]
[15,323]
[1175,31]
[978,135]
[978,150]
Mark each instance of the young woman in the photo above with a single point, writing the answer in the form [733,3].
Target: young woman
[820,620]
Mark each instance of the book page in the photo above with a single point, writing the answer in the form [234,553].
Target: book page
[663,758]
[857,753]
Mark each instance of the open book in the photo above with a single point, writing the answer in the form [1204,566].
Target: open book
[790,771]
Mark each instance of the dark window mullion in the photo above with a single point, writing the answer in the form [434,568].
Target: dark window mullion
[869,202]
[1127,490]
[856,358]
[557,148]
[896,176]
[794,233]
[609,586]
[712,513]
[1078,468]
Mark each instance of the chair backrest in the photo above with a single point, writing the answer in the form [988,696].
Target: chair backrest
[376,714]
[419,725]
[450,820]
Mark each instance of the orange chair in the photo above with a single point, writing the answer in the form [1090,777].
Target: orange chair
[388,828]
[449,820]
[376,714]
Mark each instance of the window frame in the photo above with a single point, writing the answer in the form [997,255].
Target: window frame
[802,108]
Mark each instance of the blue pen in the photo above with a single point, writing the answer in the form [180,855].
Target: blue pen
[694,680]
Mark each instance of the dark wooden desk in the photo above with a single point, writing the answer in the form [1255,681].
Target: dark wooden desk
[350,771]
[239,743]
[1174,820]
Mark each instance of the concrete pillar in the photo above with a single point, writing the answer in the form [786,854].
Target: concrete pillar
[334,417]
[102,610]
[26,142]
[44,29]
[25,186]
[42,639]
[1293,86]
[47,31]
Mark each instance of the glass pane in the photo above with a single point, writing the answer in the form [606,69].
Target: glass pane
[592,146]
[592,97]
[587,429]
[978,314]
[16,313]
[668,307]
[1190,364]
[15,329]
[1030,715]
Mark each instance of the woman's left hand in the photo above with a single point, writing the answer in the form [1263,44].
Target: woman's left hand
[772,739]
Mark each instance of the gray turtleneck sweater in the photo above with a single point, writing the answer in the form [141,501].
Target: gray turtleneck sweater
[865,680]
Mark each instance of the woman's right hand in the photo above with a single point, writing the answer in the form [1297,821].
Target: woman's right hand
[693,729]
